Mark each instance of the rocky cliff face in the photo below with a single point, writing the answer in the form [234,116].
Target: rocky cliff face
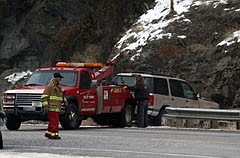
[39,33]
[199,56]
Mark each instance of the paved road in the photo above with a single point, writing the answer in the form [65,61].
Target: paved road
[125,142]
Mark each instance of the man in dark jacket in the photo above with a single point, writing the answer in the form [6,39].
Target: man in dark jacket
[141,94]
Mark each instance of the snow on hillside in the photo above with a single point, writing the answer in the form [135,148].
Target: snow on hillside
[13,78]
[235,36]
[150,26]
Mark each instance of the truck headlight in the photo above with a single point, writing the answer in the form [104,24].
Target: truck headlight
[9,99]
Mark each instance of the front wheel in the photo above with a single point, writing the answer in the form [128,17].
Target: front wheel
[13,122]
[71,119]
[160,120]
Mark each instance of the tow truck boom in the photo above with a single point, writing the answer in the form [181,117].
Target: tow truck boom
[105,71]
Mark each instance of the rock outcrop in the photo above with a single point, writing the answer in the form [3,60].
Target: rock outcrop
[39,33]
[199,57]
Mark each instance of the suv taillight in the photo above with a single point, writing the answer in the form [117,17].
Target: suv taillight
[151,99]
[9,99]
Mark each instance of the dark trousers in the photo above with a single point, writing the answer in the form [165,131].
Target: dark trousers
[54,122]
[142,113]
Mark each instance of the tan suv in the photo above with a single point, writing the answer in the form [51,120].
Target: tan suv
[166,91]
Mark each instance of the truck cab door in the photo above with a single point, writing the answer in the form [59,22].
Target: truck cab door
[88,96]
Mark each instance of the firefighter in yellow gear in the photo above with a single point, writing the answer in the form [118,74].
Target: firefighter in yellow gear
[52,101]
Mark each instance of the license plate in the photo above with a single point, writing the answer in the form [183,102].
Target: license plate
[36,104]
[30,108]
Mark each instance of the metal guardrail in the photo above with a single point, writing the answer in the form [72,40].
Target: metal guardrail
[207,114]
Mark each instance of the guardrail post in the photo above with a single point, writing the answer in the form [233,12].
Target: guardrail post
[214,124]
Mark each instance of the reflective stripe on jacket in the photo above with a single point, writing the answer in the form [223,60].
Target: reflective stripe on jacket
[52,96]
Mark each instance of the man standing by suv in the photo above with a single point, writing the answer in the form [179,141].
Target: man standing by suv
[141,94]
[52,100]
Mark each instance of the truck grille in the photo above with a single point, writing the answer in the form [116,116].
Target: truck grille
[27,99]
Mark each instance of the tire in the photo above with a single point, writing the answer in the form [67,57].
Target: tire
[159,121]
[13,122]
[1,140]
[70,119]
[126,116]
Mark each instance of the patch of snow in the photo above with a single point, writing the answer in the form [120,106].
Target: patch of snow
[150,26]
[116,56]
[134,56]
[233,38]
[227,9]
[210,2]
[145,29]
[237,10]
[182,36]
[38,155]
[186,20]
[13,78]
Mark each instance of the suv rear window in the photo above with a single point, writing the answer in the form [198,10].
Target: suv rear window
[161,86]
[124,80]
[155,85]
[130,81]
[176,88]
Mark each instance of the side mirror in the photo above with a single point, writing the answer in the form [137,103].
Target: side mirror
[94,84]
[104,82]
[113,83]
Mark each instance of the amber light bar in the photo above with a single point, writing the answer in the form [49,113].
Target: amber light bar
[86,65]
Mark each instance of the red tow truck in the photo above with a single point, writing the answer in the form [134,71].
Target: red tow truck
[86,94]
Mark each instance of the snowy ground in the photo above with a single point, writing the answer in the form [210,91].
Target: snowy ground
[4,154]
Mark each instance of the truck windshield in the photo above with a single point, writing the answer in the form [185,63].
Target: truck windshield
[42,78]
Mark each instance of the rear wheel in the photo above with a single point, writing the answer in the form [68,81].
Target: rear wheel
[160,120]
[71,119]
[126,116]
[13,122]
